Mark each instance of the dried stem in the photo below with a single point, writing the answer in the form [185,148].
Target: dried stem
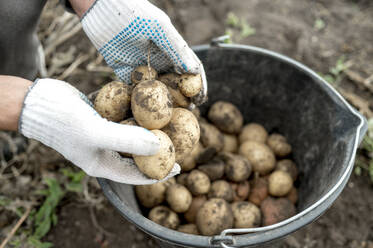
[15,228]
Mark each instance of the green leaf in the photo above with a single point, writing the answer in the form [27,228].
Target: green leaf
[319,24]
[54,219]
[74,187]
[35,242]
[358,171]
[233,20]
[4,201]
[247,30]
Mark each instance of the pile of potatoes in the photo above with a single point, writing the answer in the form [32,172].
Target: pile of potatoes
[155,102]
[236,176]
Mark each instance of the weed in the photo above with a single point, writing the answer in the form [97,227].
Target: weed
[237,25]
[319,24]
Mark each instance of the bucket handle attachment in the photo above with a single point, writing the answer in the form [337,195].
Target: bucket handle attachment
[215,42]
[225,240]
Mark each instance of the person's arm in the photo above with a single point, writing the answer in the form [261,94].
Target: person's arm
[12,93]
[81,6]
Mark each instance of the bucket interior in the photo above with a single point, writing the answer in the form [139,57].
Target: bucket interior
[284,98]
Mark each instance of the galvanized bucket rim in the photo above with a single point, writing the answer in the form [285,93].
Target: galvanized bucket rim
[306,216]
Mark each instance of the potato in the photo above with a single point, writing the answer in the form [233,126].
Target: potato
[259,155]
[196,204]
[253,132]
[288,166]
[169,182]
[196,112]
[230,143]
[171,81]
[240,191]
[211,136]
[182,179]
[179,198]
[113,101]
[237,167]
[214,216]
[142,73]
[206,155]
[188,228]
[246,215]
[132,122]
[221,189]
[198,182]
[190,84]
[226,117]
[189,162]
[279,145]
[151,195]
[151,104]
[279,183]
[276,210]
[258,191]
[164,216]
[183,130]
[293,195]
[213,169]
[158,166]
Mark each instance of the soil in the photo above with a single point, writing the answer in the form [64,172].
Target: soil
[316,33]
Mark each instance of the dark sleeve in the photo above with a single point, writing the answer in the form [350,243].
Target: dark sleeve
[67,5]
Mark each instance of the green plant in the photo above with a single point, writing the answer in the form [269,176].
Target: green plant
[237,25]
[335,74]
[74,183]
[46,216]
[319,24]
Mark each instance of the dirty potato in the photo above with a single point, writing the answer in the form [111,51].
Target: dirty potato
[164,216]
[198,182]
[143,73]
[259,155]
[113,101]
[189,162]
[183,130]
[279,183]
[240,190]
[158,166]
[214,216]
[190,84]
[279,145]
[151,104]
[221,189]
[196,204]
[213,169]
[178,198]
[237,167]
[276,210]
[171,81]
[226,117]
[246,214]
[288,166]
[253,132]
[211,136]
[258,191]
[230,143]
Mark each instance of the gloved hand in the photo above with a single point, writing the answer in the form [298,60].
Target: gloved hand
[123,31]
[58,115]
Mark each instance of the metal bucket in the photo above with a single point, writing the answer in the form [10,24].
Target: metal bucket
[287,97]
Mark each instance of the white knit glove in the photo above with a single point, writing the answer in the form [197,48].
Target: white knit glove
[123,31]
[59,116]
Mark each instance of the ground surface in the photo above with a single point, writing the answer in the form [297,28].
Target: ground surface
[317,33]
